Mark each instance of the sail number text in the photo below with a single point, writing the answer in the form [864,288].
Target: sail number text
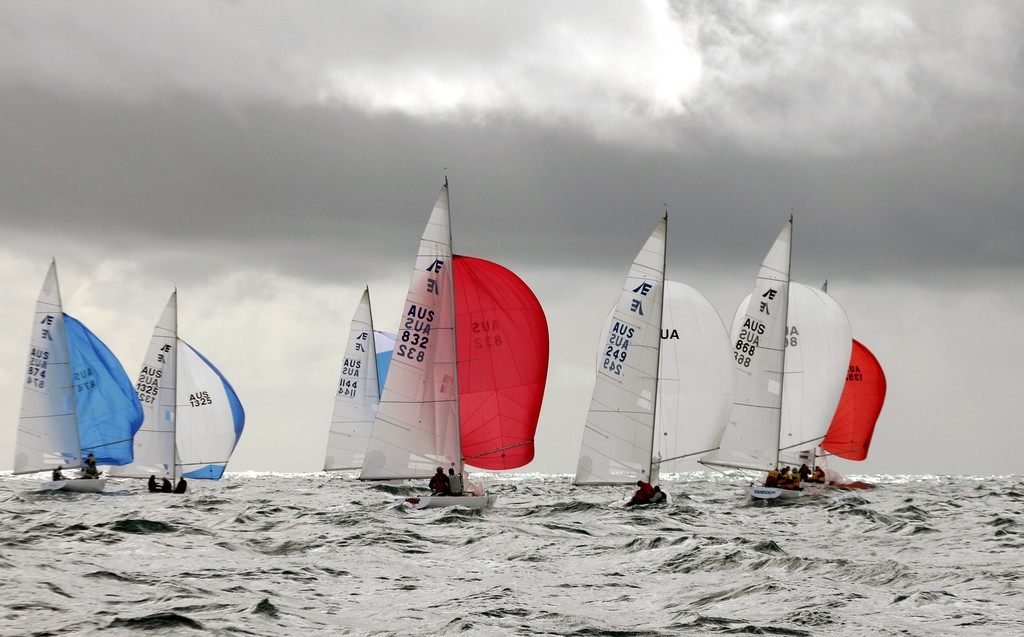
[415,337]
[616,350]
[148,385]
[749,341]
[36,374]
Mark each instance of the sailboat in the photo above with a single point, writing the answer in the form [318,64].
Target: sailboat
[663,386]
[752,437]
[193,418]
[467,374]
[76,398]
[363,371]
[818,342]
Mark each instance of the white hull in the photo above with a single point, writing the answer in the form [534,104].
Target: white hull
[433,501]
[80,485]
[774,493]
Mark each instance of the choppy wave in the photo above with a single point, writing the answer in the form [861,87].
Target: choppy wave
[319,554]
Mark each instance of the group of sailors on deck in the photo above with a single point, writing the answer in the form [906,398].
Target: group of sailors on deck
[89,469]
[646,494]
[442,484]
[789,478]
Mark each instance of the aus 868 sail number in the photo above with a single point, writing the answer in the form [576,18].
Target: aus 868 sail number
[750,339]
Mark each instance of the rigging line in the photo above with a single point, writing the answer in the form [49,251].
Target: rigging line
[518,444]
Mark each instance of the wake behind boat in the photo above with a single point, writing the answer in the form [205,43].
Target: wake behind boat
[484,501]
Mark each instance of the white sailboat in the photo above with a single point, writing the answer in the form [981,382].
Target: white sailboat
[76,398]
[193,418]
[751,440]
[818,343]
[467,374]
[355,403]
[663,389]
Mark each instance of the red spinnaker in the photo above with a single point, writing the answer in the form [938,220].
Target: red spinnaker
[502,341]
[849,436]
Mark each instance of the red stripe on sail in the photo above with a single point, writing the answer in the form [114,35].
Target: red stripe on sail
[849,436]
[503,363]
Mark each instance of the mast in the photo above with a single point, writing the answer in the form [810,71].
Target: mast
[785,348]
[455,344]
[174,415]
[657,367]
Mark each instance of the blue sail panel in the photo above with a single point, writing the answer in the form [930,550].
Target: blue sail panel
[107,406]
[384,343]
[210,418]
[209,472]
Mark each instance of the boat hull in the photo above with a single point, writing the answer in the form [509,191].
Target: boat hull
[80,485]
[774,493]
[434,501]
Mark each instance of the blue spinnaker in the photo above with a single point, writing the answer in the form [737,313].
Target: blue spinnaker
[107,406]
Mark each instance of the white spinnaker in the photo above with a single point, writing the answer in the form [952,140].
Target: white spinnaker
[154,442]
[204,421]
[619,432]
[818,345]
[695,385]
[357,396]
[47,427]
[417,424]
[752,435]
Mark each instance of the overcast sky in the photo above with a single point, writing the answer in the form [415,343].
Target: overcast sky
[270,159]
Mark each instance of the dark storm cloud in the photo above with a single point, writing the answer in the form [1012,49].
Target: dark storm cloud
[313,191]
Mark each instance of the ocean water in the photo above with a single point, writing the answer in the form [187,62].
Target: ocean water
[316,554]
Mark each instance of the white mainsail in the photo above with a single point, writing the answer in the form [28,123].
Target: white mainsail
[695,381]
[47,427]
[417,424]
[751,438]
[358,395]
[154,443]
[619,432]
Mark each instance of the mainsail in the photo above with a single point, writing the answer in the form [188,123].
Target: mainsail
[416,428]
[751,438]
[74,396]
[619,433]
[863,394]
[357,396]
